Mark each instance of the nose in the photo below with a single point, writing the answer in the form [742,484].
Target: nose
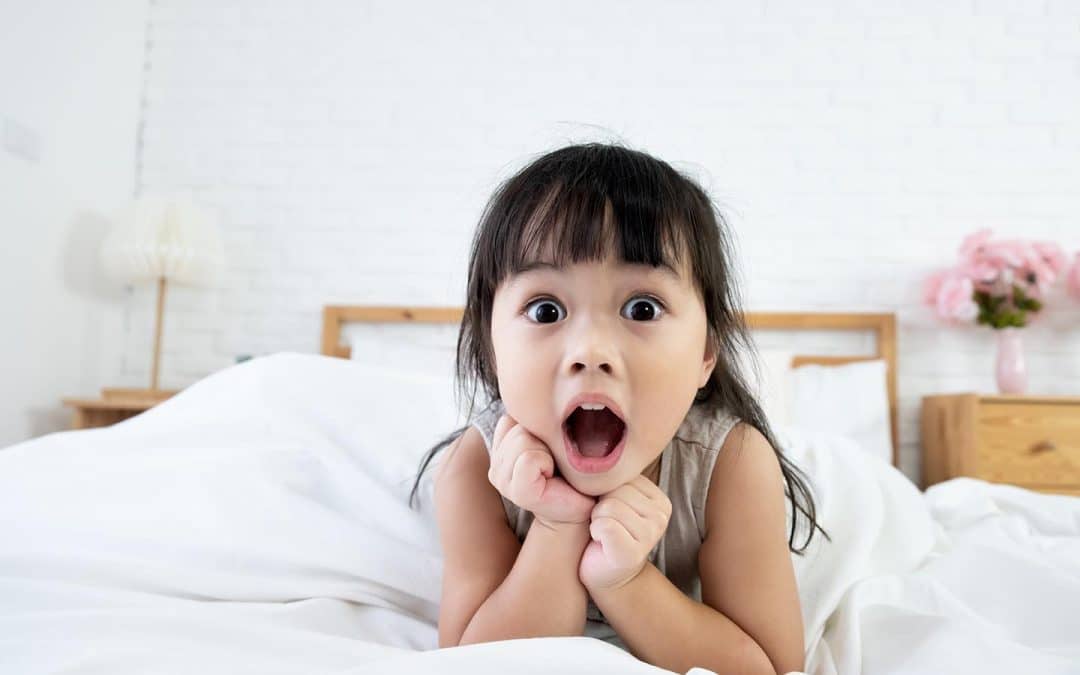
[591,349]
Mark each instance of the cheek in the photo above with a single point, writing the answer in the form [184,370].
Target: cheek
[672,369]
[667,388]
[524,381]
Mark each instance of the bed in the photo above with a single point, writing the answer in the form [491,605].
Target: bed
[258,522]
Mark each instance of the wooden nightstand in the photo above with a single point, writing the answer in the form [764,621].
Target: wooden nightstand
[113,406]
[1030,441]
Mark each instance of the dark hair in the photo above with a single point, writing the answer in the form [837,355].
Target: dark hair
[576,202]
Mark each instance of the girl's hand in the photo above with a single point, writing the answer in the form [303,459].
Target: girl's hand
[522,470]
[626,524]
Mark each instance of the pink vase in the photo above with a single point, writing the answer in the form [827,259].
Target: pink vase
[1011,372]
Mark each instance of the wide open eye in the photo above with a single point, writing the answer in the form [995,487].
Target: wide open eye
[544,310]
[642,308]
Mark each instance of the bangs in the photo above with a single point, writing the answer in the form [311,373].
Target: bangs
[587,210]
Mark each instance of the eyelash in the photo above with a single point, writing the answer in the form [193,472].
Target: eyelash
[636,296]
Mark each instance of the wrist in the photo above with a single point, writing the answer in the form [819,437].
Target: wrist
[561,528]
[562,544]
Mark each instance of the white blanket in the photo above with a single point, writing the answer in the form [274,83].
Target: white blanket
[257,523]
[970,577]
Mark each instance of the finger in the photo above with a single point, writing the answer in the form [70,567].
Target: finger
[505,424]
[495,458]
[635,499]
[508,452]
[531,466]
[633,522]
[646,487]
[652,492]
[542,461]
[613,537]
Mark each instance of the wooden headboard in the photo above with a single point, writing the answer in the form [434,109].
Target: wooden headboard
[882,325]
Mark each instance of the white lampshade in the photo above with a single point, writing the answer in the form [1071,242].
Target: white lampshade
[167,237]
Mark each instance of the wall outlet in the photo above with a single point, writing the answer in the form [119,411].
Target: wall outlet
[21,141]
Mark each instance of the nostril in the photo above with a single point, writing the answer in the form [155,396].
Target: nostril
[578,367]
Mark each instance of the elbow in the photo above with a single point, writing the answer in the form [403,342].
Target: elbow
[448,640]
[752,659]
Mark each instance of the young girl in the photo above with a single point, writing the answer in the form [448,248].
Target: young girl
[621,482]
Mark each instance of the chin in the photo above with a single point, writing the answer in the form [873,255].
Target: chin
[594,486]
[597,484]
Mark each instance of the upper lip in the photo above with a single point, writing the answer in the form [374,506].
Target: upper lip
[593,397]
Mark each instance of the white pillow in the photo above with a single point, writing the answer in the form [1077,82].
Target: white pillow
[428,349]
[851,400]
[773,388]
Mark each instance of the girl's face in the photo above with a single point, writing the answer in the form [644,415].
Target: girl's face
[634,334]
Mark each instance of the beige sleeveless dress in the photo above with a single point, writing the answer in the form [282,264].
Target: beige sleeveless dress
[686,466]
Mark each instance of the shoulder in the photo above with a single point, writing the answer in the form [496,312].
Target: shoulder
[747,471]
[464,460]
[463,493]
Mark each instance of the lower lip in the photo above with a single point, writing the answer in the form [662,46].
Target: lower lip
[583,464]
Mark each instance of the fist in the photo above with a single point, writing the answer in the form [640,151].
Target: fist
[625,525]
[523,471]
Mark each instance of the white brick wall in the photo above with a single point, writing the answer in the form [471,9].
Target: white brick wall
[351,146]
[70,78]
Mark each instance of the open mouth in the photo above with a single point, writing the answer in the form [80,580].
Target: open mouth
[594,438]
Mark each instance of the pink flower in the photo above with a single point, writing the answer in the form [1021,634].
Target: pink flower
[932,286]
[970,247]
[950,293]
[1053,255]
[1006,253]
[1072,281]
[983,261]
[984,273]
[1042,263]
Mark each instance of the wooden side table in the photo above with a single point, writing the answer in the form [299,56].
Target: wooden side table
[1030,441]
[115,405]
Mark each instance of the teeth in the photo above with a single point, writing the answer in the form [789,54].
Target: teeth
[592,406]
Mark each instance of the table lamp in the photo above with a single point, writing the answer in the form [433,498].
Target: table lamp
[162,239]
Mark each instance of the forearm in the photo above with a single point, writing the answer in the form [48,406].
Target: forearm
[664,627]
[542,595]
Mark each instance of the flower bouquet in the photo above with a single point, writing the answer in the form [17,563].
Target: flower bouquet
[1001,284]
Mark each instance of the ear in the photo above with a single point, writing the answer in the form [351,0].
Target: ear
[708,361]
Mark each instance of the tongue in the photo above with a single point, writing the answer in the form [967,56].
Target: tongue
[596,432]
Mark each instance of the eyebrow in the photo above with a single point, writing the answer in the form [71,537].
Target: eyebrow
[664,268]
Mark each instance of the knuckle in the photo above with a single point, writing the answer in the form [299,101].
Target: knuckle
[530,460]
[665,504]
[602,524]
[663,515]
[596,528]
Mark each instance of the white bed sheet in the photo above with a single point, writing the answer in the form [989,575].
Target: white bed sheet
[257,523]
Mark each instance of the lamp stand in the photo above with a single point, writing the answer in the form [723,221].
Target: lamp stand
[153,395]
[157,334]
